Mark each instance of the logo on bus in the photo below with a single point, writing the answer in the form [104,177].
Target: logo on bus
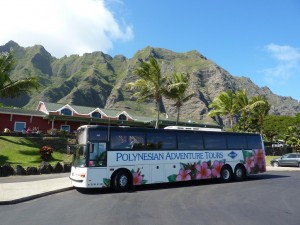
[232,155]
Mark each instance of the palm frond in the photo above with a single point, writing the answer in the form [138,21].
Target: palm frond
[16,88]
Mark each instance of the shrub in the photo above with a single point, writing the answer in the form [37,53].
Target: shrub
[46,152]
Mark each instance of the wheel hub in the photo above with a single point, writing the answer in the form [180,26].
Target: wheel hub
[123,181]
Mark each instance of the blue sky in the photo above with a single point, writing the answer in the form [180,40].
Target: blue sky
[259,39]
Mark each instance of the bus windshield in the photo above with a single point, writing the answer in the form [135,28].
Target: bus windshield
[79,156]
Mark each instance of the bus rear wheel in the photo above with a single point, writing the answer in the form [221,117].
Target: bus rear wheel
[122,181]
[239,173]
[226,174]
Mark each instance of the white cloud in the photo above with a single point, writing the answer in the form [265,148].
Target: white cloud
[63,27]
[287,63]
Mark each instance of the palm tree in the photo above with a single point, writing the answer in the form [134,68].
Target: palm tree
[177,86]
[9,88]
[150,85]
[245,106]
[261,110]
[224,105]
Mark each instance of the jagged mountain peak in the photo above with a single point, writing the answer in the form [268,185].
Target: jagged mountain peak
[96,79]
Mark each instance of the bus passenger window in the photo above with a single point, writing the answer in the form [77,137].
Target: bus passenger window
[157,141]
[127,141]
[215,141]
[137,142]
[236,141]
[254,142]
[190,141]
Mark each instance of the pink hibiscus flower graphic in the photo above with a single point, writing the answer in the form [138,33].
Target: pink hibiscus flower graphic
[203,171]
[216,170]
[249,163]
[137,177]
[183,175]
[259,159]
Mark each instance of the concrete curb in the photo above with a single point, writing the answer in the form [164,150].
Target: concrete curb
[32,197]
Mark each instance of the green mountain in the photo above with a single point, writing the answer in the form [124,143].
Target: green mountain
[98,80]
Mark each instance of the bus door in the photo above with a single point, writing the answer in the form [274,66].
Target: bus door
[97,154]
[97,164]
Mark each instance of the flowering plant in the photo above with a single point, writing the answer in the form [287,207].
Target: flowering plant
[46,152]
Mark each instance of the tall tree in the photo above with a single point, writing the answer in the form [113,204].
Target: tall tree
[260,111]
[177,86]
[293,137]
[150,85]
[9,88]
[245,106]
[224,105]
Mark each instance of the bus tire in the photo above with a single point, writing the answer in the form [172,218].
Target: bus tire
[122,181]
[226,174]
[239,173]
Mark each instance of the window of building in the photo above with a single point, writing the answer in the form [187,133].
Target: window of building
[65,128]
[122,117]
[19,126]
[96,115]
[66,112]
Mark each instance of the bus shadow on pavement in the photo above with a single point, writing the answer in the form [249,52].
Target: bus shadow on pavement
[265,177]
[174,185]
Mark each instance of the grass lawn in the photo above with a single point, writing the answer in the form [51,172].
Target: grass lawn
[269,158]
[25,152]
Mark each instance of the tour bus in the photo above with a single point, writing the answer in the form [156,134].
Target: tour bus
[122,157]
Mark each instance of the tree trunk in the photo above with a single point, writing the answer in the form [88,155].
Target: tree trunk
[157,119]
[178,111]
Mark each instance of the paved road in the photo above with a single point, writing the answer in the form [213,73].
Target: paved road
[271,198]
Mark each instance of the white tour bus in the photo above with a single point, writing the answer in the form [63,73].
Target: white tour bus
[121,157]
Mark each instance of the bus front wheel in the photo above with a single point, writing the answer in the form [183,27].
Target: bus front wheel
[226,174]
[122,181]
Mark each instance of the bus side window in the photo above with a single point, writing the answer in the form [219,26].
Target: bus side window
[127,141]
[215,141]
[137,142]
[254,142]
[157,141]
[236,141]
[190,141]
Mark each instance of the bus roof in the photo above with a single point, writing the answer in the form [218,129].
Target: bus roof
[192,128]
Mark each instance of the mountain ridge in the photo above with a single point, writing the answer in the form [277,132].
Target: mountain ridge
[97,79]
